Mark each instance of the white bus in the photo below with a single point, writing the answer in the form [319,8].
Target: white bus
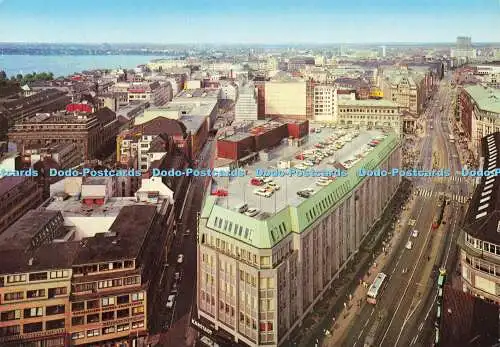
[376,288]
[452,139]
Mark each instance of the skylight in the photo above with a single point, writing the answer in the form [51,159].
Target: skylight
[482,214]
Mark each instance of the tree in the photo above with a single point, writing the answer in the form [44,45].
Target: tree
[3,75]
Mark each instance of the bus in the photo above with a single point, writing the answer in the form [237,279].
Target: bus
[452,139]
[376,288]
[442,277]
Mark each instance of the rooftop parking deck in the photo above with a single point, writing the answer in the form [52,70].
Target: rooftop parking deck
[240,190]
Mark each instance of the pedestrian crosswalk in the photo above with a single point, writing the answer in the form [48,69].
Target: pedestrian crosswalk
[460,179]
[428,193]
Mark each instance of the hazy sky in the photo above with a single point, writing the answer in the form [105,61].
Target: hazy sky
[248,21]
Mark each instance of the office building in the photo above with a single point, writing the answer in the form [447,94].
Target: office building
[246,104]
[93,133]
[260,274]
[479,240]
[479,111]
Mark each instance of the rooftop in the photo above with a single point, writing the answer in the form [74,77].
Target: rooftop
[198,93]
[482,219]
[285,211]
[488,99]
[75,208]
[467,321]
[192,123]
[125,238]
[368,102]
[9,182]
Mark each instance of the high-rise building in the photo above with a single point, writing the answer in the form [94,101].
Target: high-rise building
[246,107]
[261,272]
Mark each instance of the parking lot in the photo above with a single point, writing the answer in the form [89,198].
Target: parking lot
[240,190]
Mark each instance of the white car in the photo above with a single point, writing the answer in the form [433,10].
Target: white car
[180,258]
[415,233]
[322,183]
[300,167]
[268,180]
[274,186]
[252,212]
[409,245]
[170,301]
[308,163]
[263,192]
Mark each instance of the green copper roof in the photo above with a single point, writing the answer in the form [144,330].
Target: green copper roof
[267,231]
[488,99]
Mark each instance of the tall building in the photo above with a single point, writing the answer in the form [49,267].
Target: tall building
[325,103]
[92,133]
[479,240]
[259,274]
[479,110]
[464,49]
[246,107]
[288,97]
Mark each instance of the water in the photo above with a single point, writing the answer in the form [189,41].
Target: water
[63,65]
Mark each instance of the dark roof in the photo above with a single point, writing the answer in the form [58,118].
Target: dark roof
[131,227]
[467,321]
[46,257]
[483,215]
[9,182]
[105,115]
[19,235]
[159,144]
[162,125]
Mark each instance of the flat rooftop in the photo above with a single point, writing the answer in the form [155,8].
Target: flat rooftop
[198,93]
[75,208]
[240,190]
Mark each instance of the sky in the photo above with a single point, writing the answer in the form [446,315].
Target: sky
[248,21]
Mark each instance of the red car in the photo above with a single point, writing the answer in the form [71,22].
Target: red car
[256,182]
[220,192]
[300,157]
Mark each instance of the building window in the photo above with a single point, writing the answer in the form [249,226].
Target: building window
[108,301]
[39,276]
[56,309]
[137,310]
[92,333]
[33,312]
[77,306]
[10,315]
[13,296]
[138,296]
[10,330]
[57,291]
[93,318]
[37,293]
[108,316]
[92,304]
[108,330]
[123,313]
[123,299]
[16,278]
[138,324]
[77,320]
[32,327]
[78,335]
[55,324]
[57,274]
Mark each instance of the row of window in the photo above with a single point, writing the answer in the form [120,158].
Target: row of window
[31,312]
[38,276]
[31,327]
[482,245]
[88,269]
[358,110]
[107,301]
[326,203]
[108,330]
[36,293]
[228,227]
[107,316]
[117,282]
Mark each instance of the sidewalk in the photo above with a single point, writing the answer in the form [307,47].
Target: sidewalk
[352,307]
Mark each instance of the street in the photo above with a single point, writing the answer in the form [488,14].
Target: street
[406,304]
[177,319]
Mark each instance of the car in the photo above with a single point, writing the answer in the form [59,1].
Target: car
[318,131]
[300,167]
[252,212]
[303,194]
[221,192]
[256,181]
[409,245]
[300,157]
[267,180]
[170,301]
[308,163]
[274,186]
[180,258]
[309,190]
[263,192]
[323,183]
[414,233]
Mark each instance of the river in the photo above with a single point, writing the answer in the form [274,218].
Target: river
[63,65]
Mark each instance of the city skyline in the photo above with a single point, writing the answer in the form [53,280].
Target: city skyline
[257,23]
